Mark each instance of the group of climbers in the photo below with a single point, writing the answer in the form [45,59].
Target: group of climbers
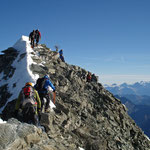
[91,77]
[30,102]
[33,100]
[35,35]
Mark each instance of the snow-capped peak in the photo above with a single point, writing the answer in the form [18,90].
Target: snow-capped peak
[22,44]
[22,73]
[138,88]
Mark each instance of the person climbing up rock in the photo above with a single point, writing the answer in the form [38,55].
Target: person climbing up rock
[61,55]
[37,36]
[32,36]
[42,86]
[29,103]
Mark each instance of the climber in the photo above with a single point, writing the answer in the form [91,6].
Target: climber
[37,36]
[32,38]
[29,103]
[42,86]
[89,77]
[61,55]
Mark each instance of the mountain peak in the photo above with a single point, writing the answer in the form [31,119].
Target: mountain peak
[22,44]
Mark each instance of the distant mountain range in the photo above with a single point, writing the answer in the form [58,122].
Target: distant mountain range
[137,93]
[138,88]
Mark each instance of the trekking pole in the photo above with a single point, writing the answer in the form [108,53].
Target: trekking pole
[54,97]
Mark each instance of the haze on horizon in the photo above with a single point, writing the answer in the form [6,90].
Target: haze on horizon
[120,79]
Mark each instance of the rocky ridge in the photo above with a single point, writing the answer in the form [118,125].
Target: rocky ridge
[86,114]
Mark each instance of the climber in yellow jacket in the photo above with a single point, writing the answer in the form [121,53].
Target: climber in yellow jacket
[30,104]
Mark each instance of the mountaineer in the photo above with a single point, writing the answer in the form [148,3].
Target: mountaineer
[89,77]
[37,36]
[61,55]
[29,103]
[42,86]
[32,36]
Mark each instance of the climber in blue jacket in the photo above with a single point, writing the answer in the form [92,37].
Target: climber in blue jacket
[42,86]
[61,55]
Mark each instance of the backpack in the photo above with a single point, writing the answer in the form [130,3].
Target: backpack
[28,96]
[40,84]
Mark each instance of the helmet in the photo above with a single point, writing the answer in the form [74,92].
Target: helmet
[29,83]
[46,76]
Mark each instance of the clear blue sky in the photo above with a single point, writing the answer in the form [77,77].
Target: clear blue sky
[110,38]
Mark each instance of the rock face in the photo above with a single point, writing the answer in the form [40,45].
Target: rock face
[86,114]
[6,61]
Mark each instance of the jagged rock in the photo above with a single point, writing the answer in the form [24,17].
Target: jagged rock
[8,112]
[4,94]
[38,69]
[9,56]
[15,135]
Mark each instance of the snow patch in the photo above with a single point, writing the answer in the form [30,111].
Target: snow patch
[52,105]
[1,121]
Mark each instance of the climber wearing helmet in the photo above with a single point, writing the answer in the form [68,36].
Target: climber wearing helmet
[29,103]
[42,86]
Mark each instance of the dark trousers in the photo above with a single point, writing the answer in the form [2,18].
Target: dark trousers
[37,41]
[29,115]
[32,42]
[47,97]
[62,58]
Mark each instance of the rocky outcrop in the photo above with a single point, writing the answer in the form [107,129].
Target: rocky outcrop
[15,136]
[6,61]
[86,114]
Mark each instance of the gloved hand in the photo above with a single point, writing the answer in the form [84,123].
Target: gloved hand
[54,90]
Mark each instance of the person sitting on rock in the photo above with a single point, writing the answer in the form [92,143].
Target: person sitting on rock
[89,77]
[42,86]
[61,55]
[29,103]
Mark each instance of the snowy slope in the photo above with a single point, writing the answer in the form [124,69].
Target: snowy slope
[22,73]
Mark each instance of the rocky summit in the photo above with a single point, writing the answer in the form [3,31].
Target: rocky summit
[86,116]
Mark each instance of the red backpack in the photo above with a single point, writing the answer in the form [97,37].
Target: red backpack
[28,95]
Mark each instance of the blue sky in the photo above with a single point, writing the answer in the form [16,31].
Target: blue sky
[110,38]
